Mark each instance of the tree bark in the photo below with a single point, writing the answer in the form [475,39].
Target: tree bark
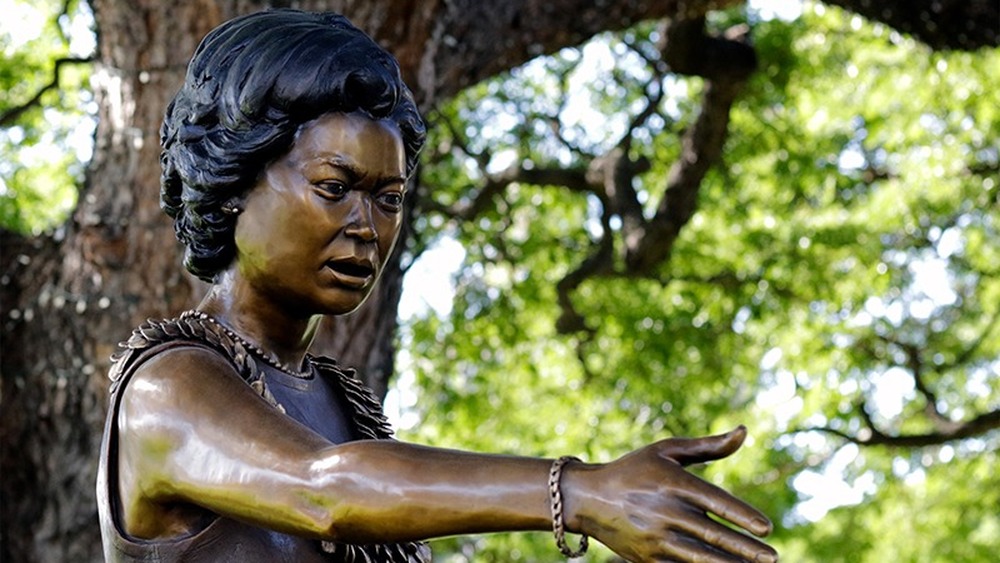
[961,25]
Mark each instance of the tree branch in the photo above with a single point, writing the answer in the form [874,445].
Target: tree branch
[570,178]
[528,32]
[980,340]
[9,117]
[458,139]
[963,25]
[688,50]
[915,365]
[615,171]
[647,243]
[555,124]
[727,64]
[600,262]
[971,428]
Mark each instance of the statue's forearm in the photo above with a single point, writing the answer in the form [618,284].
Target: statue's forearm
[391,491]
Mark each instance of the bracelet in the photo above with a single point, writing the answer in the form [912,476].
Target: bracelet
[558,526]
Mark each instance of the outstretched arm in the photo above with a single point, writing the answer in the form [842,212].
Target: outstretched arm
[192,433]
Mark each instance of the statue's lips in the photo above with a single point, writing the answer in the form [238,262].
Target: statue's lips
[352,272]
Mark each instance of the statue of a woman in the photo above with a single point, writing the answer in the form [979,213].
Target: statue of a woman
[285,160]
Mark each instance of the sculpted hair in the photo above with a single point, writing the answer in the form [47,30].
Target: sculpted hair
[251,85]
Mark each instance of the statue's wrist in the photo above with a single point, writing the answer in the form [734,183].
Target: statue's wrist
[577,488]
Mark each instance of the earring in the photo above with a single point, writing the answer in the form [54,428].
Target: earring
[231,208]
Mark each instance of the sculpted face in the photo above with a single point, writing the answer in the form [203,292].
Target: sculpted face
[321,221]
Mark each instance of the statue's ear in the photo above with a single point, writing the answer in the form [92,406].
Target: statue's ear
[233,206]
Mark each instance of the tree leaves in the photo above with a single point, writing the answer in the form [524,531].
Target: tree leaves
[44,99]
[839,273]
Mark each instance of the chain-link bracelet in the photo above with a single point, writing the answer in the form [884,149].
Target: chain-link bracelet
[558,521]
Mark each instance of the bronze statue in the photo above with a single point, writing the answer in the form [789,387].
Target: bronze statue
[285,161]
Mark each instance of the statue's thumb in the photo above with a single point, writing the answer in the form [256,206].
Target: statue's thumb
[688,451]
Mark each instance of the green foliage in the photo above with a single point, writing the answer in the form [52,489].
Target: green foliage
[925,517]
[44,148]
[848,243]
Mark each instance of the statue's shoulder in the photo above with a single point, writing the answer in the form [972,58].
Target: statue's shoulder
[158,336]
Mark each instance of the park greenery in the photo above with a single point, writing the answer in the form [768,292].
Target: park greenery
[837,290]
[838,286]
[46,117]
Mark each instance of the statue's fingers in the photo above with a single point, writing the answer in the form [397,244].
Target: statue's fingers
[728,540]
[678,546]
[709,498]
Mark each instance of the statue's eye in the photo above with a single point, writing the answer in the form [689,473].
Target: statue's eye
[332,189]
[390,201]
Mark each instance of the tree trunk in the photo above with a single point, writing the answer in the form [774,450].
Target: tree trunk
[117,264]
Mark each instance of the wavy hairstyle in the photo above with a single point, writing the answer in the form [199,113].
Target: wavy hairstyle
[253,82]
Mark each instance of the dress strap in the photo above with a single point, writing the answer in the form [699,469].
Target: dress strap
[369,419]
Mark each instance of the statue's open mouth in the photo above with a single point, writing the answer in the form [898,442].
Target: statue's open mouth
[353,272]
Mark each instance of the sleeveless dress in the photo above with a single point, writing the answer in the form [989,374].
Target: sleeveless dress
[225,540]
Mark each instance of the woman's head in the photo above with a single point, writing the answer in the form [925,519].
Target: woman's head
[252,83]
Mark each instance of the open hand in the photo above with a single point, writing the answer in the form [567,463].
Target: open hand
[646,507]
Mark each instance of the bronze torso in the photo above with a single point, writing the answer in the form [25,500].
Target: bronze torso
[330,401]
